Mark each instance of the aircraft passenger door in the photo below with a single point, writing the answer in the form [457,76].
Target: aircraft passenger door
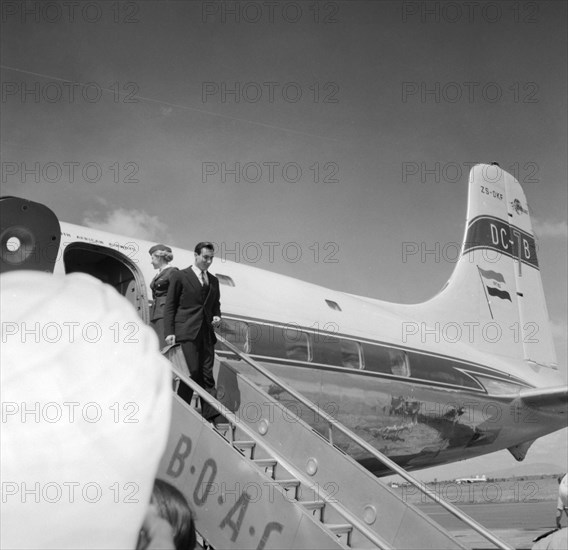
[111,267]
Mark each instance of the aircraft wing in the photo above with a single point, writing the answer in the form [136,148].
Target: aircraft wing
[546,400]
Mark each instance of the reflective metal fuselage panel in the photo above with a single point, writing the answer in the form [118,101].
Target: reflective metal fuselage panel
[416,425]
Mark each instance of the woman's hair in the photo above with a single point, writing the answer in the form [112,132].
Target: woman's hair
[168,256]
[173,507]
[162,251]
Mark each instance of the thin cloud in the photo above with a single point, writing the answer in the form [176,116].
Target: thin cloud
[551,229]
[130,223]
[167,104]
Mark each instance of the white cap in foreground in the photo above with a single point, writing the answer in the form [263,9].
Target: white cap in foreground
[86,405]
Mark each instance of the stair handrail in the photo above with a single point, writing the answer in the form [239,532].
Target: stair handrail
[393,466]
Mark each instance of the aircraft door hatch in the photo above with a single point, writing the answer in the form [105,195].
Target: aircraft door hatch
[110,267]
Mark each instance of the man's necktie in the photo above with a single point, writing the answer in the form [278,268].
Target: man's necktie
[204,286]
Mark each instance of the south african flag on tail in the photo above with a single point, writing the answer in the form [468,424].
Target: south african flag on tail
[495,284]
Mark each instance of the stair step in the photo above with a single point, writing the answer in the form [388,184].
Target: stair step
[290,484]
[340,528]
[286,483]
[243,445]
[314,506]
[266,464]
[223,428]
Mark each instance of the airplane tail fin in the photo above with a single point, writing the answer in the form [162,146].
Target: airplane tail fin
[495,293]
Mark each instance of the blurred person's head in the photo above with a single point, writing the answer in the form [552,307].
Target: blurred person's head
[86,405]
[173,507]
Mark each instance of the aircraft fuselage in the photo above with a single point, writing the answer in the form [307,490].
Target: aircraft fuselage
[420,406]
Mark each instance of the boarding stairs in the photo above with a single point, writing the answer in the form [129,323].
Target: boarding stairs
[264,478]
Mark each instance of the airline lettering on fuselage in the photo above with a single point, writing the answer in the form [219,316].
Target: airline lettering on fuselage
[497,235]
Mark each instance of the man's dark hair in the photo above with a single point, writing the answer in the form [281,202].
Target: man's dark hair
[202,245]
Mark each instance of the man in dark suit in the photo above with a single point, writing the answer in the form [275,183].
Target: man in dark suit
[192,311]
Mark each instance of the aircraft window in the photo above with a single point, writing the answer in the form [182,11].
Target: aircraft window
[331,350]
[296,344]
[499,387]
[236,332]
[386,360]
[326,349]
[350,354]
[287,342]
[333,305]
[439,369]
[399,362]
[225,279]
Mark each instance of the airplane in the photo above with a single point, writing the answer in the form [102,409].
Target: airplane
[475,479]
[469,372]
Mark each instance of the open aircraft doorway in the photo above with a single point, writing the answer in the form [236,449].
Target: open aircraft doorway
[111,267]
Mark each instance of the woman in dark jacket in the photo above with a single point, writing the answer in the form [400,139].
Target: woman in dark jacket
[161,256]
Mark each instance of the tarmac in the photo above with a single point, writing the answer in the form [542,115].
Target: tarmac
[516,538]
[515,523]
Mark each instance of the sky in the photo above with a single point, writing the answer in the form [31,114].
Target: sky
[339,130]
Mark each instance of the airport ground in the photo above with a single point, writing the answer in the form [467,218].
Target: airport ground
[514,490]
[515,523]
[517,510]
